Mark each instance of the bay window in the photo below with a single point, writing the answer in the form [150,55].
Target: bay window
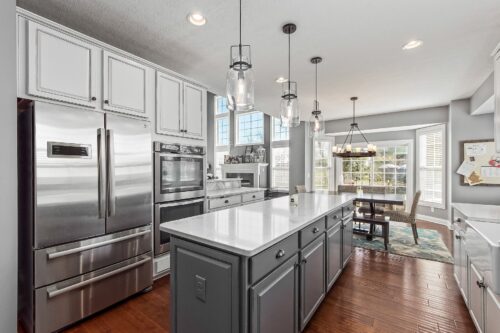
[279,156]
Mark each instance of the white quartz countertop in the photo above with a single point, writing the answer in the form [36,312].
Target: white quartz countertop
[249,229]
[486,213]
[232,191]
[489,231]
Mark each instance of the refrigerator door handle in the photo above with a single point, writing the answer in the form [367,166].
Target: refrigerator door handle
[101,165]
[82,284]
[111,208]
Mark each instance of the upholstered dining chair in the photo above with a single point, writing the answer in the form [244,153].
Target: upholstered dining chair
[300,189]
[402,216]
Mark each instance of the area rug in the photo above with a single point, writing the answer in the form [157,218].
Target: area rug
[430,244]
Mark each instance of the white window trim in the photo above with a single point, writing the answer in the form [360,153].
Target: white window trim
[220,148]
[237,129]
[217,117]
[409,169]
[331,175]
[442,129]
[277,144]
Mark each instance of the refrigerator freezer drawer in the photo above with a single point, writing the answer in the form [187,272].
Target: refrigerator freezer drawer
[69,260]
[64,303]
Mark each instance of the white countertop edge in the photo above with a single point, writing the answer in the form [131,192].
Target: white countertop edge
[473,225]
[251,253]
[232,191]
[461,207]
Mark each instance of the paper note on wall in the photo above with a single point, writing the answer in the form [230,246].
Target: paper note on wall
[490,172]
[475,149]
[466,168]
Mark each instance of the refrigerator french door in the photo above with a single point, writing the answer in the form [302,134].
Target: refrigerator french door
[85,212]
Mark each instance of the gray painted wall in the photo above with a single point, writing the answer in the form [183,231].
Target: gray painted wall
[8,168]
[437,115]
[466,127]
[297,169]
[483,98]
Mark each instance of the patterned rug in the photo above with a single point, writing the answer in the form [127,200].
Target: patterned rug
[430,244]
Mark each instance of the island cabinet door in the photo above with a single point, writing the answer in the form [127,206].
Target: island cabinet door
[334,254]
[476,298]
[491,312]
[274,302]
[205,289]
[347,240]
[312,279]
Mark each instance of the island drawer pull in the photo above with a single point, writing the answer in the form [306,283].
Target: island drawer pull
[253,196]
[226,201]
[303,261]
[315,230]
[281,253]
[480,284]
[457,237]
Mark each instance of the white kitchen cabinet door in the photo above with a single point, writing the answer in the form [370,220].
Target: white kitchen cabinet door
[169,109]
[491,312]
[194,111]
[61,67]
[457,252]
[124,85]
[476,298]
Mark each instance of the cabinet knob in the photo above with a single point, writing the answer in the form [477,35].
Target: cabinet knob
[280,253]
[226,201]
[457,237]
[106,101]
[253,196]
[94,99]
[315,230]
[459,219]
[303,261]
[480,284]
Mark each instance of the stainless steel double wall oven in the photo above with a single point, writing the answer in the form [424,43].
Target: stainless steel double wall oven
[85,212]
[180,178]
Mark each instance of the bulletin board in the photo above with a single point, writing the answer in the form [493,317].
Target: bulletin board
[481,163]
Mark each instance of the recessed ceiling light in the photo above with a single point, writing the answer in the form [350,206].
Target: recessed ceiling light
[197,18]
[281,79]
[412,44]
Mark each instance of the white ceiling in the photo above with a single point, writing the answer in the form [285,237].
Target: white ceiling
[359,40]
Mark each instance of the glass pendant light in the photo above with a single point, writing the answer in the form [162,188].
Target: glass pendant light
[316,123]
[240,78]
[289,108]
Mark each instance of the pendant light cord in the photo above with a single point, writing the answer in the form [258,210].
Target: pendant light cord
[239,45]
[354,111]
[316,100]
[289,57]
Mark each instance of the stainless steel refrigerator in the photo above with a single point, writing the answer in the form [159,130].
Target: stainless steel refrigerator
[85,212]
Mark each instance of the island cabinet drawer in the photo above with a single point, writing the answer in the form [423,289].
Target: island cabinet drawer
[224,202]
[266,261]
[333,218]
[247,197]
[311,232]
[347,209]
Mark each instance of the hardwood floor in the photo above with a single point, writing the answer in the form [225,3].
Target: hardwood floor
[378,292]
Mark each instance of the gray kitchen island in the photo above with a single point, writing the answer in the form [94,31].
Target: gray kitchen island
[263,267]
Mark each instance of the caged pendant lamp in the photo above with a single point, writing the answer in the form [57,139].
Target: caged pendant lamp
[289,108]
[316,123]
[240,78]
[346,150]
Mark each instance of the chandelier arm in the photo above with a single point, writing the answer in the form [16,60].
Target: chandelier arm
[362,134]
[347,137]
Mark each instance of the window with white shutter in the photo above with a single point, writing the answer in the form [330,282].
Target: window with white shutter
[431,175]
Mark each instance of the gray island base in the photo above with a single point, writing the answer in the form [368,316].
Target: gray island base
[265,267]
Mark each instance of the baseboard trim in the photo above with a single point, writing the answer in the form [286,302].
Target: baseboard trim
[434,220]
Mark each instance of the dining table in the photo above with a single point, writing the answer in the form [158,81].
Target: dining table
[372,199]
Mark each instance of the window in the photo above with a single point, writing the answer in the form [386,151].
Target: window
[322,165]
[279,133]
[249,128]
[388,168]
[222,131]
[430,163]
[279,156]
[222,134]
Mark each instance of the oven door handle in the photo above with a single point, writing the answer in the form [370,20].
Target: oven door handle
[181,203]
[182,155]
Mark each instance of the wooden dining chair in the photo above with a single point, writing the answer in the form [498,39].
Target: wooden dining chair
[402,216]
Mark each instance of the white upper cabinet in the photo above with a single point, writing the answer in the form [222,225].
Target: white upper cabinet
[194,106]
[169,104]
[61,67]
[124,85]
[180,107]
